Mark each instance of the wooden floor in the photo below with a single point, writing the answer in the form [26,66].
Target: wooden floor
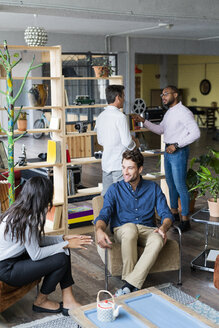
[88,270]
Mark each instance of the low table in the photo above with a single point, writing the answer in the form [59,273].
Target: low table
[200,262]
[145,308]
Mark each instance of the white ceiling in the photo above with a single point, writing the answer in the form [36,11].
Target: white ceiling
[170,19]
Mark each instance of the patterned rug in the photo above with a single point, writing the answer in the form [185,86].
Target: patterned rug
[57,321]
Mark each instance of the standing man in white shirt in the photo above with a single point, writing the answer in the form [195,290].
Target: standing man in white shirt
[180,130]
[114,135]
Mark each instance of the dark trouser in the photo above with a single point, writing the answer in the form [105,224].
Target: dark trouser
[22,270]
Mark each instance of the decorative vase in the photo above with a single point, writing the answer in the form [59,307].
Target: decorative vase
[101,71]
[38,95]
[22,125]
[213,207]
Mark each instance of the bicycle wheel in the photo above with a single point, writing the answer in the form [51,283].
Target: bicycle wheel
[38,124]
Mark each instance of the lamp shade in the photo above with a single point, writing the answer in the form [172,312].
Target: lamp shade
[35,36]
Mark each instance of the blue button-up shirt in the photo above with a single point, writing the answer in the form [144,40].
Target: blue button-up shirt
[122,204]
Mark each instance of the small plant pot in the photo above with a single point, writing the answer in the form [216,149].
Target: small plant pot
[213,207]
[101,71]
[22,125]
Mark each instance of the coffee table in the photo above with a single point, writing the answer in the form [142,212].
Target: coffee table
[145,308]
[200,262]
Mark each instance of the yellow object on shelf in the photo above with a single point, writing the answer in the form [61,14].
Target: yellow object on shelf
[53,152]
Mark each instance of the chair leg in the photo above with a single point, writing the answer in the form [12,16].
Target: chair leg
[106,269]
[180,256]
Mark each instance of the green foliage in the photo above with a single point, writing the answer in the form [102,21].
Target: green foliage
[205,180]
[22,116]
[104,62]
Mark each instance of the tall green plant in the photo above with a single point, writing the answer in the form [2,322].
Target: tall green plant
[5,61]
[206,181]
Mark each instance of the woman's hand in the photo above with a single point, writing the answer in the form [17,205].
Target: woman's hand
[77,241]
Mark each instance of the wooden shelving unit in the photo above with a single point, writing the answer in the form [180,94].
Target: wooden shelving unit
[57,110]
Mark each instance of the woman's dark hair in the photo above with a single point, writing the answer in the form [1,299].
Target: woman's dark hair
[29,209]
[135,156]
[112,91]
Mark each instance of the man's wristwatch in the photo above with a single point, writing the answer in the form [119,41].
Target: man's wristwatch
[176,145]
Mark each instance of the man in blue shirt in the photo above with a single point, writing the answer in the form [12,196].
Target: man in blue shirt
[129,208]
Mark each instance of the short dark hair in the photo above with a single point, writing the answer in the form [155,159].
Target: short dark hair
[173,88]
[112,91]
[135,156]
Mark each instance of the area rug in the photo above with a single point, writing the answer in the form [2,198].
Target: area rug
[57,321]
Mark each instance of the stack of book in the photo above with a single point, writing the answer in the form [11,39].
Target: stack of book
[79,216]
[71,188]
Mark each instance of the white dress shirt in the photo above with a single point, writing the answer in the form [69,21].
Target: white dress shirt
[114,135]
[178,126]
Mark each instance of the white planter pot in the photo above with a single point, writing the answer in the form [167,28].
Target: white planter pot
[213,207]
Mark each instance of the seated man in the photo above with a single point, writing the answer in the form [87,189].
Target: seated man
[129,207]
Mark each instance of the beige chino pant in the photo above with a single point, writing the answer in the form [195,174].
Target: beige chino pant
[131,235]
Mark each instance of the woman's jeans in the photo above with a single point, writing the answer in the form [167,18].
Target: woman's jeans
[175,172]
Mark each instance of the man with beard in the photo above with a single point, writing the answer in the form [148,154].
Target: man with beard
[180,129]
[129,207]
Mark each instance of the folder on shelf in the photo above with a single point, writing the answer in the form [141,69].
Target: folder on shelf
[54,152]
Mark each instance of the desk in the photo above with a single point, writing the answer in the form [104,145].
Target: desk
[200,262]
[146,308]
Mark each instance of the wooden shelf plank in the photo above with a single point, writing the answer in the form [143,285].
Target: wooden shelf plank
[34,166]
[36,108]
[46,130]
[78,134]
[83,160]
[91,160]
[113,77]
[85,106]
[140,130]
[32,48]
[57,203]
[87,192]
[33,77]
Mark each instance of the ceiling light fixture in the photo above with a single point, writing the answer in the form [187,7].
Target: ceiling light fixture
[35,36]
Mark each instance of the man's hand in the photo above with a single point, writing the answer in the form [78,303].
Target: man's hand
[170,149]
[162,230]
[162,233]
[137,118]
[103,239]
[77,241]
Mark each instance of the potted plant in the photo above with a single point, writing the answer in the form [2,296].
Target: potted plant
[22,121]
[208,181]
[102,66]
